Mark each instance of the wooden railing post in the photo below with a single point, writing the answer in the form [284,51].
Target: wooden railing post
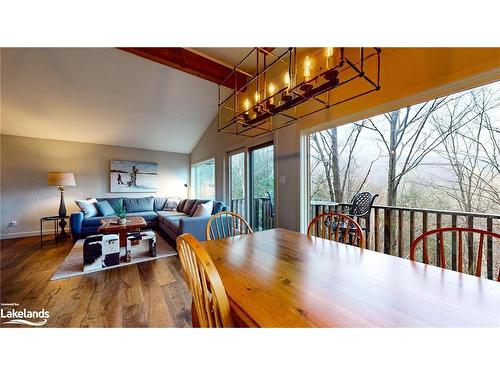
[376,230]
[412,226]
[489,250]
[454,244]
[470,247]
[387,231]
[400,233]
[438,241]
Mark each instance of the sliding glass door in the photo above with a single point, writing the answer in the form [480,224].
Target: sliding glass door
[251,185]
[237,183]
[262,187]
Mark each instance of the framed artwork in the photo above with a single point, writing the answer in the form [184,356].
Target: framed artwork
[127,176]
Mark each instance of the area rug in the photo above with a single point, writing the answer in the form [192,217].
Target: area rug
[73,264]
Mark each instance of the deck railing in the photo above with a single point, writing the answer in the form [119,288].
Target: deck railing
[262,212]
[392,229]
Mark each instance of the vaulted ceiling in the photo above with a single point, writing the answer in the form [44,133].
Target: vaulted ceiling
[111,96]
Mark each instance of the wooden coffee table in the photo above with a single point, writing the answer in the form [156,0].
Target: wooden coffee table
[133,224]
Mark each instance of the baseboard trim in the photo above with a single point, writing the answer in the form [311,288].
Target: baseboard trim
[7,236]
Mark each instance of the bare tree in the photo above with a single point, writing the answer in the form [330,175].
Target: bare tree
[337,162]
[408,141]
[472,151]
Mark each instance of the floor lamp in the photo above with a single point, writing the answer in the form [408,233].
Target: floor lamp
[61,179]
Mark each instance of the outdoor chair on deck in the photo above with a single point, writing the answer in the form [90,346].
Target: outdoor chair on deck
[361,208]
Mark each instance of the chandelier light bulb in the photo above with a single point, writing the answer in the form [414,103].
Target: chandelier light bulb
[246,105]
[271,90]
[257,97]
[287,79]
[307,69]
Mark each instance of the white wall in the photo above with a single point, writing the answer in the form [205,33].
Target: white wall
[25,161]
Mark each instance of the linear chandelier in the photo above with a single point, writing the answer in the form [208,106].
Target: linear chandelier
[279,90]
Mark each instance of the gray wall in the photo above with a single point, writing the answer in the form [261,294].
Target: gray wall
[287,155]
[24,193]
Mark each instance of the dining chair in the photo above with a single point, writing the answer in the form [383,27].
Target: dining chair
[208,293]
[458,232]
[337,227]
[226,224]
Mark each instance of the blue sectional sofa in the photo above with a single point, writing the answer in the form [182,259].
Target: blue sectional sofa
[172,222]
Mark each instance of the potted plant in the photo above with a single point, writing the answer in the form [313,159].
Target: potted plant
[122,215]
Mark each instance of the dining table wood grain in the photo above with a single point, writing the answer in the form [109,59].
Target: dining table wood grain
[281,278]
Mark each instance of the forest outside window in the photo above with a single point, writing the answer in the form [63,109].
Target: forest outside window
[203,179]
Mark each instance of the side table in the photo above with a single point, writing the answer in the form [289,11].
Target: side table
[55,220]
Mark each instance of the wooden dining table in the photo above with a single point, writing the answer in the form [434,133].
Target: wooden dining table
[280,278]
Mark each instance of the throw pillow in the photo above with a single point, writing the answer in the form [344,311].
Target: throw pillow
[204,209]
[188,206]
[104,208]
[171,204]
[88,207]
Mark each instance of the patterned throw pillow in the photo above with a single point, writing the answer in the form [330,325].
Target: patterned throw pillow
[88,207]
[171,204]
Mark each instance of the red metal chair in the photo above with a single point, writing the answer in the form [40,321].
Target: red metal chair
[441,253]
[337,227]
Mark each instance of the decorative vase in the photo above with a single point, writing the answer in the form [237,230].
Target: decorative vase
[122,220]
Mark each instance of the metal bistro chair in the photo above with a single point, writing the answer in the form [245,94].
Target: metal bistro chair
[441,252]
[209,296]
[361,208]
[338,227]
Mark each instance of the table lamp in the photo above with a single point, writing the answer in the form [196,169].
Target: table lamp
[61,179]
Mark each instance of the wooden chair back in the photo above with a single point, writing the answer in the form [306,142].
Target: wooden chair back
[208,293]
[441,256]
[226,224]
[337,227]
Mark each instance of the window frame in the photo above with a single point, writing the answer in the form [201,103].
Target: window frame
[192,190]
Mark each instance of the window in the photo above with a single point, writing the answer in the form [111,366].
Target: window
[439,154]
[433,165]
[203,179]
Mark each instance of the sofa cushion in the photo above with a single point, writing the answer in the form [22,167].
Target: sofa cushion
[188,206]
[218,206]
[171,204]
[147,215]
[164,216]
[196,204]
[138,204]
[104,208]
[88,207]
[204,209]
[181,205]
[159,203]
[115,203]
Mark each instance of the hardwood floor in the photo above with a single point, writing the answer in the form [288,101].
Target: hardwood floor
[149,294]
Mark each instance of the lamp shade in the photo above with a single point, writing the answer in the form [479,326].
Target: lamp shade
[61,179]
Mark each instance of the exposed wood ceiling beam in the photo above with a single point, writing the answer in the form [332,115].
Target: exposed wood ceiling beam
[192,63]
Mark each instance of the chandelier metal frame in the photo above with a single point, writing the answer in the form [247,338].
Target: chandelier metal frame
[320,88]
